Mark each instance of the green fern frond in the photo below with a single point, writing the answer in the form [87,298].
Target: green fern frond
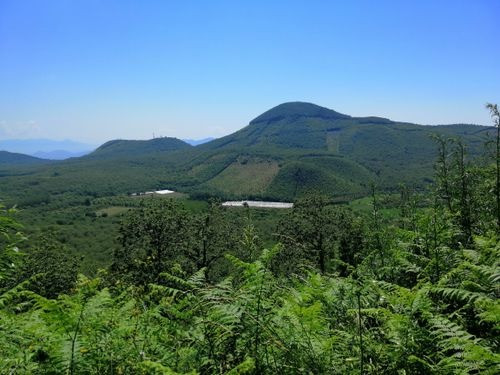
[460,295]
[246,367]
[178,282]
[155,368]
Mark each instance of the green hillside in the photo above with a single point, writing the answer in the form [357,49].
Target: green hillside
[129,149]
[320,149]
[15,159]
[282,154]
[116,167]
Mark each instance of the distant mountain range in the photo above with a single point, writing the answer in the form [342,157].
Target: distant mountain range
[197,142]
[59,154]
[285,152]
[46,148]
[61,150]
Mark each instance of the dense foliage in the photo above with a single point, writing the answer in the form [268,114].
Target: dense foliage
[256,322]
[339,291]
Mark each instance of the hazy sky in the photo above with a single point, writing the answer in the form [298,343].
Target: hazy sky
[93,70]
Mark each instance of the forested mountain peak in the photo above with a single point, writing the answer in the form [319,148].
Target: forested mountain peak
[296,147]
[121,147]
[294,110]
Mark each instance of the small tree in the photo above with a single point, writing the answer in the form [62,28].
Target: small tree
[443,172]
[464,191]
[495,115]
[9,253]
[50,268]
[307,233]
[250,243]
[152,238]
[317,231]
[212,235]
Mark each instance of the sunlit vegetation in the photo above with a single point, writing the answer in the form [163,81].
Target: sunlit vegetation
[246,177]
[399,283]
[284,154]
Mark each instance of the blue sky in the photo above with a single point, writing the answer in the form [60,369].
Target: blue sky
[94,70]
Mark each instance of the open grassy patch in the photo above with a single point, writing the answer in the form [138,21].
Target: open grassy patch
[332,141]
[112,211]
[246,176]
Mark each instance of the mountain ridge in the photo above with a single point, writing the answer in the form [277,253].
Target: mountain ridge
[317,147]
[16,159]
[59,154]
[280,155]
[130,148]
[197,142]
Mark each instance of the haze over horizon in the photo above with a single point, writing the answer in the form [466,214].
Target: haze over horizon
[93,71]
